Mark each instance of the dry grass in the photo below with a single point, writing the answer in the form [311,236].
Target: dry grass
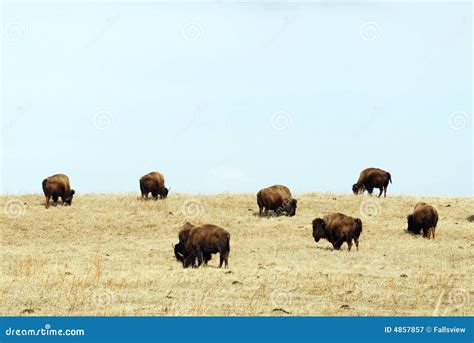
[112,255]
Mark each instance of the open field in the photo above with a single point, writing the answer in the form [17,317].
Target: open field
[111,254]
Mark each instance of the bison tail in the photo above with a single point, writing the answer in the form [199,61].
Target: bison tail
[358,229]
[45,181]
[389,177]
[259,200]
[227,244]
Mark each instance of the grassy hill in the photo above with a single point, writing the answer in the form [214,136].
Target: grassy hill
[112,254]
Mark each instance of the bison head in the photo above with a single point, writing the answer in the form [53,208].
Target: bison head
[319,227]
[411,225]
[179,252]
[68,199]
[290,207]
[164,193]
[358,189]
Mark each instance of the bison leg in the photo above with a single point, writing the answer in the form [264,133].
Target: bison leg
[55,199]
[224,258]
[207,258]
[155,195]
[431,233]
[425,233]
[199,256]
[385,191]
[47,201]
[337,246]
[370,190]
[356,241]
[381,191]
[349,244]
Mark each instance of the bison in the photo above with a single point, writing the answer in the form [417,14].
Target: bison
[153,183]
[58,186]
[183,239]
[372,178]
[277,199]
[203,241]
[424,217]
[338,228]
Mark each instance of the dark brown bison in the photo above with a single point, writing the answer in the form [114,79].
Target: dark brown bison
[153,183]
[372,178]
[338,228]
[424,217]
[58,186]
[277,199]
[183,240]
[203,241]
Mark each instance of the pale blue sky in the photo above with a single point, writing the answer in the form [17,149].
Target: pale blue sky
[108,92]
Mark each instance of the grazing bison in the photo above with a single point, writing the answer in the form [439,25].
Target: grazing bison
[58,186]
[153,183]
[277,199]
[202,242]
[424,217]
[338,228]
[372,178]
[183,239]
